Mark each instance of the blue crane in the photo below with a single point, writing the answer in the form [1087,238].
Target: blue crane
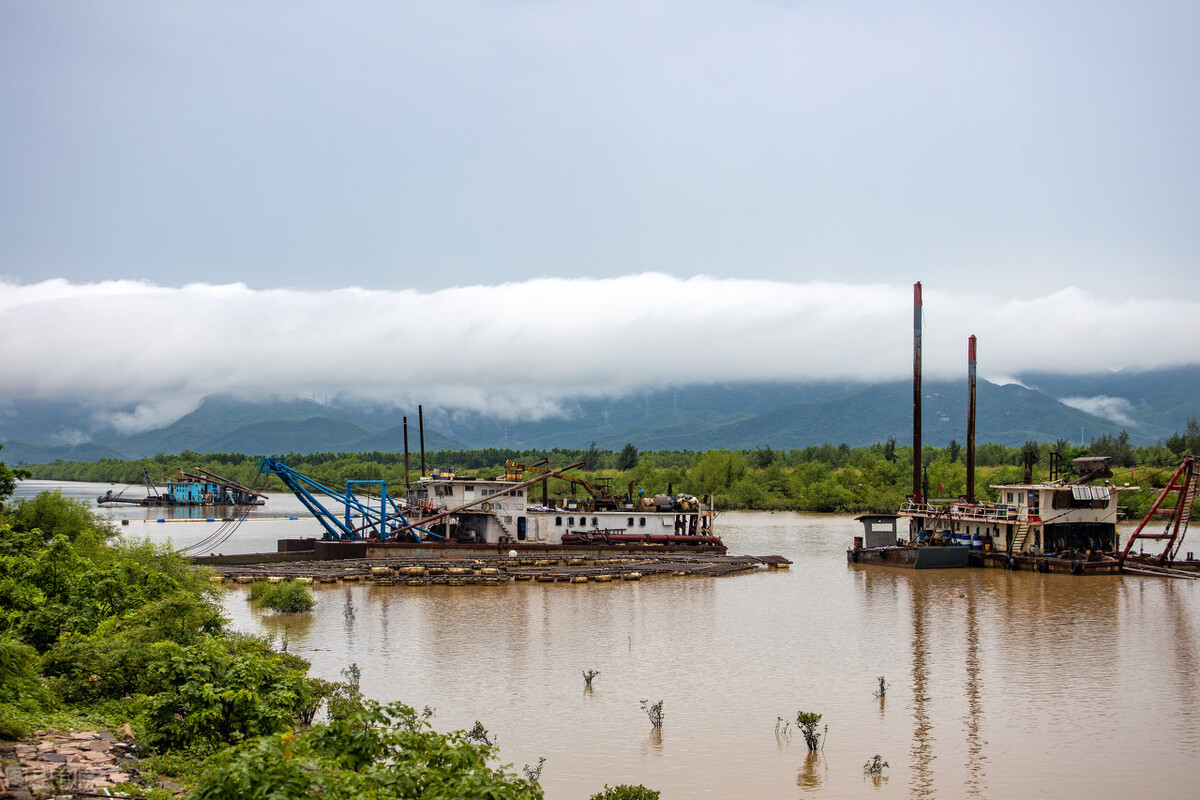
[360,517]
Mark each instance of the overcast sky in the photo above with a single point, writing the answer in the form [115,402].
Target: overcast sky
[652,192]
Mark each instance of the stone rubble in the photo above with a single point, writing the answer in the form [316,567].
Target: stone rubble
[87,763]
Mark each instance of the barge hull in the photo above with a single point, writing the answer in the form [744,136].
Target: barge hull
[952,557]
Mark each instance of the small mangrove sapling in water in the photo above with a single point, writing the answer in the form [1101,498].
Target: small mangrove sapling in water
[882,693]
[875,766]
[654,712]
[588,674]
[807,721]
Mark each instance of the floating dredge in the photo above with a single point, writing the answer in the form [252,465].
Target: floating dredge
[1059,525]
[204,488]
[444,512]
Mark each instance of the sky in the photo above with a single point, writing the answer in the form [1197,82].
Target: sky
[501,204]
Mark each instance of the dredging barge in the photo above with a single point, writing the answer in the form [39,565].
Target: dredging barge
[1059,525]
[1056,526]
[201,489]
[445,514]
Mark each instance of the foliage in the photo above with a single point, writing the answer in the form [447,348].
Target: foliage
[69,583]
[380,753]
[220,690]
[625,791]
[654,712]
[588,675]
[19,671]
[287,597]
[480,735]
[534,774]
[875,765]
[807,721]
[1116,448]
[345,699]
[883,684]
[313,694]
[628,458]
[8,479]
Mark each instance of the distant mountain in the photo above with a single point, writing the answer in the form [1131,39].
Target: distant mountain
[1150,406]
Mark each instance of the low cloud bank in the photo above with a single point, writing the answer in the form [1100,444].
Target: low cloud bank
[520,349]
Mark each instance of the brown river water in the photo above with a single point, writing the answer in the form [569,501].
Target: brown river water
[1000,684]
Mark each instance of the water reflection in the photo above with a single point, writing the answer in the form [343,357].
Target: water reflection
[921,752]
[973,718]
[997,679]
[812,774]
[654,742]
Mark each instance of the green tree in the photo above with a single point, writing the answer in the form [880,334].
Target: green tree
[8,480]
[763,457]
[1117,448]
[591,459]
[627,459]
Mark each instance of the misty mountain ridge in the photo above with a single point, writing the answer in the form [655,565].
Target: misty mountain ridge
[1149,405]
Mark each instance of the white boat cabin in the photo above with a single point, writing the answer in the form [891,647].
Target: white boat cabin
[499,510]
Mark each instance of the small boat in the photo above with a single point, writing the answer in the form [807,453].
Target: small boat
[202,489]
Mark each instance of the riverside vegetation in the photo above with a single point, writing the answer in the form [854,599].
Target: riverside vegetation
[99,632]
[826,478]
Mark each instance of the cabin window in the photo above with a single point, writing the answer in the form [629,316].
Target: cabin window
[558,521]
[630,523]
[520,492]
[642,522]
[469,488]
[570,521]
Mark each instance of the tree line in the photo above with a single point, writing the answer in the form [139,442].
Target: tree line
[818,478]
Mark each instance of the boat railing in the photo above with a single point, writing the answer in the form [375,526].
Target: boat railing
[987,512]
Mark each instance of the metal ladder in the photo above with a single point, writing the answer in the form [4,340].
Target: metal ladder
[1184,483]
[1018,545]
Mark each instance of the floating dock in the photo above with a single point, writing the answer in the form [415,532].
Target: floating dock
[485,570]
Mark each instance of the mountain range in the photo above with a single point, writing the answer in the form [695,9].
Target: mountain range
[1148,405]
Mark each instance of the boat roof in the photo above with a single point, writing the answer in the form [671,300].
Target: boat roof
[1062,486]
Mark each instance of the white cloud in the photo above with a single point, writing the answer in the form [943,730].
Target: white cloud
[521,349]
[1115,408]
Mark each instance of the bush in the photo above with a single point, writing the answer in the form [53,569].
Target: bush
[287,597]
[220,691]
[625,791]
[381,753]
[808,722]
[15,723]
[19,670]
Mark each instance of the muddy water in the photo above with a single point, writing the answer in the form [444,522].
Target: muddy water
[999,684]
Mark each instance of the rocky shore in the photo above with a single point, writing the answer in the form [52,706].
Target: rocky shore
[65,765]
